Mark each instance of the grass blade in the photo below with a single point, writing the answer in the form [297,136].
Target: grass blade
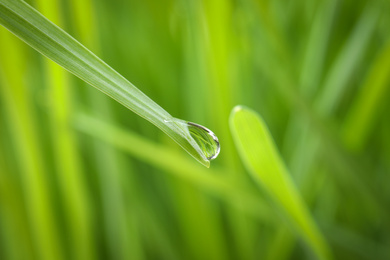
[174,163]
[364,110]
[30,156]
[262,160]
[68,165]
[347,62]
[33,28]
[122,237]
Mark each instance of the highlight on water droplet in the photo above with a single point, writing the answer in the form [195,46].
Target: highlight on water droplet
[201,143]
[206,139]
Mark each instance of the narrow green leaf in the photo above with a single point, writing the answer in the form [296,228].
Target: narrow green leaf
[41,34]
[166,158]
[347,62]
[67,158]
[364,110]
[29,151]
[262,160]
[121,234]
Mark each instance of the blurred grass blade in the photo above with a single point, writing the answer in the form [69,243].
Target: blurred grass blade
[30,158]
[14,226]
[262,160]
[347,62]
[33,28]
[66,155]
[174,163]
[316,49]
[364,110]
[122,234]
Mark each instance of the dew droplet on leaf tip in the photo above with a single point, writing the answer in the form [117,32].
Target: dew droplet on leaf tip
[206,139]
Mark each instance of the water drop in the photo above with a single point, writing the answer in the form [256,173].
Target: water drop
[206,140]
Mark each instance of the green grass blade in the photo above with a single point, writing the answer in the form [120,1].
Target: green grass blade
[30,156]
[33,28]
[166,158]
[13,218]
[122,238]
[262,160]
[68,165]
[193,207]
[347,61]
[316,49]
[364,110]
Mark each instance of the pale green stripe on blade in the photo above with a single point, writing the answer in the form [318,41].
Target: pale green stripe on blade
[261,158]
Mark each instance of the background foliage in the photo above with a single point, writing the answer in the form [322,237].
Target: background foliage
[82,177]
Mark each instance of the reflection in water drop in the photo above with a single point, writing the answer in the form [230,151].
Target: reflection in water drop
[206,140]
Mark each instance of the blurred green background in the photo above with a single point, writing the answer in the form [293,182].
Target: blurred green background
[82,177]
